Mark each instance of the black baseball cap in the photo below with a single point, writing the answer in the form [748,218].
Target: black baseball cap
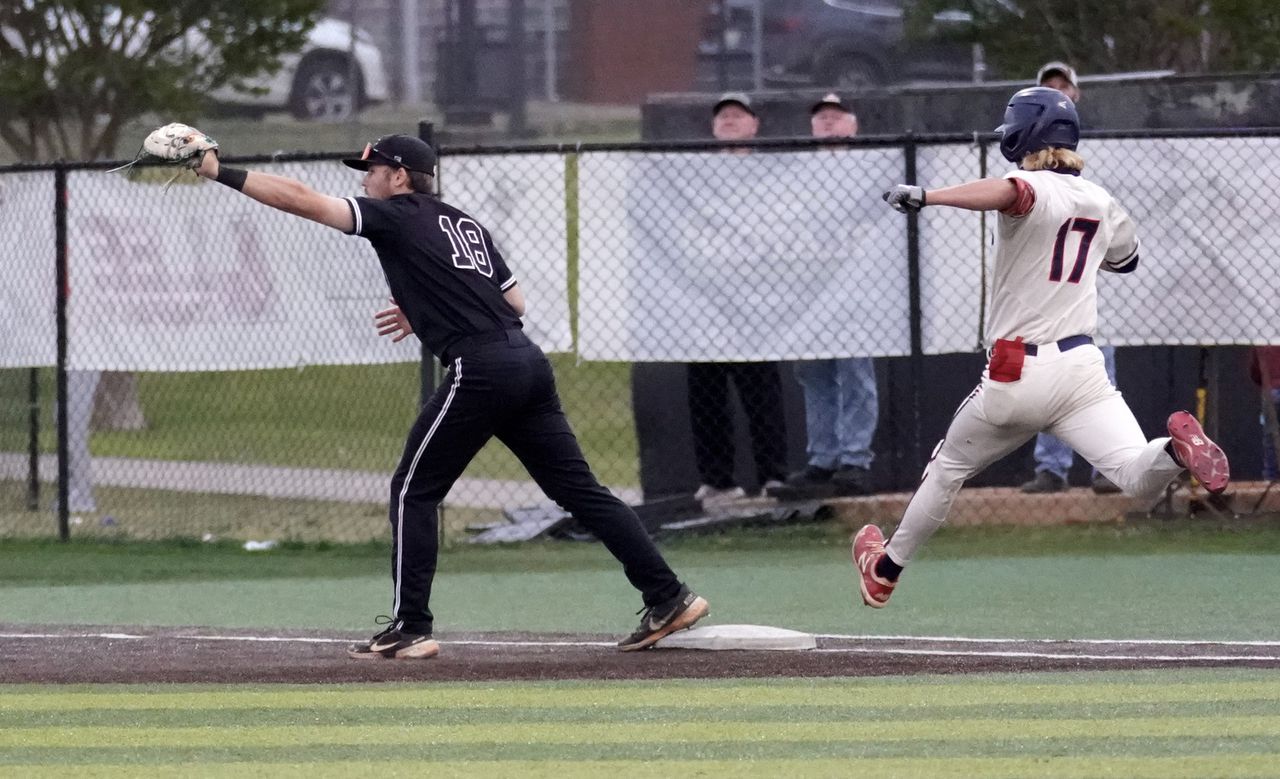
[740,99]
[402,151]
[829,99]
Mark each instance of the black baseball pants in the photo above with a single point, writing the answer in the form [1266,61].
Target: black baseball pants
[504,389]
[760,391]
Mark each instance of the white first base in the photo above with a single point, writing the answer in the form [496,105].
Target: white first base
[717,637]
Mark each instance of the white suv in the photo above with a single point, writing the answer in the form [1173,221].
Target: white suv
[318,82]
[329,78]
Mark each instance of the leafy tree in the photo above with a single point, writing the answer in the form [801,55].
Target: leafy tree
[1103,36]
[73,72]
[1245,34]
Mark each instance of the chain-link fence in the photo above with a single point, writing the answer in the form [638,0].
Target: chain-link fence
[179,361]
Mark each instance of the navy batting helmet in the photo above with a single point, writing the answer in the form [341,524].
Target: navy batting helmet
[1038,118]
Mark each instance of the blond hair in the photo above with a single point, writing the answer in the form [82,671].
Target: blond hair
[1048,159]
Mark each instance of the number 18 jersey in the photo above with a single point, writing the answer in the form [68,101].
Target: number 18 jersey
[442,267]
[1052,242]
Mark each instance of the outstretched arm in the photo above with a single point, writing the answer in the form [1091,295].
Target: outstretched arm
[980,195]
[286,194]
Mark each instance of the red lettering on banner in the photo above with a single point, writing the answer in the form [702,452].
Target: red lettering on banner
[124,267]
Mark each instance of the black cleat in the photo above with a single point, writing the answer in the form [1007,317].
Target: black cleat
[1101,485]
[679,613]
[1045,482]
[395,644]
[851,480]
[812,482]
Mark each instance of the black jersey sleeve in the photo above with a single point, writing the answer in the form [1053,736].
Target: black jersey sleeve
[501,273]
[371,218]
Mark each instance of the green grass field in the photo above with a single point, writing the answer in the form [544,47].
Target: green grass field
[146,515]
[1218,723]
[1182,580]
[348,417]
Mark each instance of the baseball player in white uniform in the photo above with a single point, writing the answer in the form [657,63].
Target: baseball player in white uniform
[1056,231]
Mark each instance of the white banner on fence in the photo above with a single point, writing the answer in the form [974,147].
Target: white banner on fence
[1210,240]
[1209,254]
[28,290]
[678,265]
[766,256]
[197,278]
[953,250]
[520,199]
[683,257]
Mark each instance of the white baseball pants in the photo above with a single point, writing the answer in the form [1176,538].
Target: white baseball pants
[1065,393]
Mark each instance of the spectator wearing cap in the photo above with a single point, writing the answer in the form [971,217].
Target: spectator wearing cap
[1060,76]
[841,404]
[1053,457]
[759,384]
[733,119]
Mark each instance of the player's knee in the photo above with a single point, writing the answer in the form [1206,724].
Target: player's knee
[948,475]
[588,499]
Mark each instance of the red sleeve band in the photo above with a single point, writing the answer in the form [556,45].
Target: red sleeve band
[1025,200]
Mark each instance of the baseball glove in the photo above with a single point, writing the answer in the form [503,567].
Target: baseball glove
[174,144]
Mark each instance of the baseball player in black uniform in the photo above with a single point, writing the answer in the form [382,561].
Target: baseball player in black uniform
[454,290]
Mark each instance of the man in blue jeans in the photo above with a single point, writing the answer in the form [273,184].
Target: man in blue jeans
[1053,456]
[840,401]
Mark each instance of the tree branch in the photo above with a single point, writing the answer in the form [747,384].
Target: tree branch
[14,139]
[77,72]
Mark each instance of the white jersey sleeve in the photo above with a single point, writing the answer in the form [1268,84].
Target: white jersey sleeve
[1122,255]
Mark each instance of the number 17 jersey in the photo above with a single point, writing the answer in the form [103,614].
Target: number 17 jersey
[1061,230]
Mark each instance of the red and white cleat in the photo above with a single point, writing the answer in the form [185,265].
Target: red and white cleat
[1200,455]
[868,548]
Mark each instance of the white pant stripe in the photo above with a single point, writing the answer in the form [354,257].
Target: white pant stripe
[444,409]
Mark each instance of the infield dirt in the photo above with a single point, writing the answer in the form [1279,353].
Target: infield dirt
[122,654]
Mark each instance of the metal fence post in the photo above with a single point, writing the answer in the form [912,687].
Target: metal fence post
[913,301]
[722,58]
[517,105]
[982,248]
[430,370]
[33,440]
[426,131]
[757,45]
[551,71]
[60,260]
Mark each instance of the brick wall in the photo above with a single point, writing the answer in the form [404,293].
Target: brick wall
[624,50]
